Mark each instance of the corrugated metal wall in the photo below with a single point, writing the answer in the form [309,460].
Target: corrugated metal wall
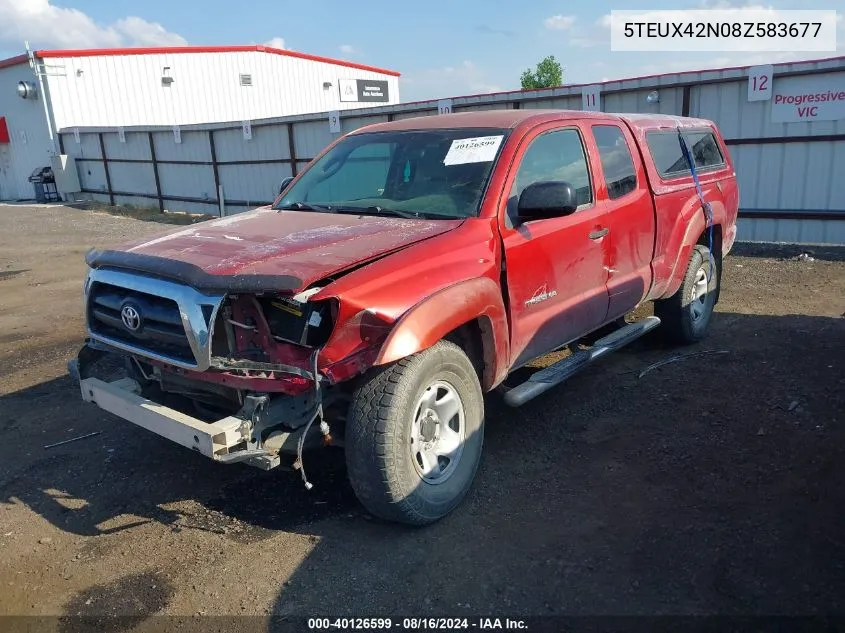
[29,146]
[773,176]
[783,175]
[127,90]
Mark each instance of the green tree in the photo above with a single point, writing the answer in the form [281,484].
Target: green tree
[548,73]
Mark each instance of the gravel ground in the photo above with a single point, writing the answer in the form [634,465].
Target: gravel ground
[712,485]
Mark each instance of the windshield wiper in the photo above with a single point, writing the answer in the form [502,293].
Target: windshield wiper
[305,206]
[379,211]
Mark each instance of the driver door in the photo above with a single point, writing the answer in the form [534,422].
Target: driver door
[555,267]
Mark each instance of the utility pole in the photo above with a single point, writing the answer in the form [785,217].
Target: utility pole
[39,72]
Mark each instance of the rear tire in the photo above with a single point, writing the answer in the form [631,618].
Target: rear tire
[414,436]
[685,316]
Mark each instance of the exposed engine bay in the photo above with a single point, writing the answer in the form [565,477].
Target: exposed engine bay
[266,338]
[261,379]
[270,334]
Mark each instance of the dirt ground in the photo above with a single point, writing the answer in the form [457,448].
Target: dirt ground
[712,485]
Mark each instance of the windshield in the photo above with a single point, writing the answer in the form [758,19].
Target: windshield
[420,173]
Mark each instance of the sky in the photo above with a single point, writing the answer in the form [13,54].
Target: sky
[442,49]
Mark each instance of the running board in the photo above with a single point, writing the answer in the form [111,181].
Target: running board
[548,377]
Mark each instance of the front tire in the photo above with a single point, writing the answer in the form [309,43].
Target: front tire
[414,436]
[685,316]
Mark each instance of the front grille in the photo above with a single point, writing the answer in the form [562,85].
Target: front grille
[159,323]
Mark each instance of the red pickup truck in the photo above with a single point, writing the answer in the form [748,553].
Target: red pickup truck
[412,267]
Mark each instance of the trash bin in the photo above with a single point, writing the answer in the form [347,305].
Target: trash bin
[44,183]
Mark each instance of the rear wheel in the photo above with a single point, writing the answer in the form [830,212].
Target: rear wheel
[685,316]
[414,436]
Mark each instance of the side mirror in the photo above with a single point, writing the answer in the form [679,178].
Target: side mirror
[285,182]
[549,199]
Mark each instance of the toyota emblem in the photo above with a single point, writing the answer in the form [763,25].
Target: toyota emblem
[131,318]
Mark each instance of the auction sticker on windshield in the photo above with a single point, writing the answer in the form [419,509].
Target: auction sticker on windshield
[481,149]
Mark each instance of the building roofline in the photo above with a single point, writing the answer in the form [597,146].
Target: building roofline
[626,79]
[171,50]
[13,61]
[719,70]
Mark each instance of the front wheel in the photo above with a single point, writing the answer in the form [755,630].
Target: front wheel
[685,316]
[414,436]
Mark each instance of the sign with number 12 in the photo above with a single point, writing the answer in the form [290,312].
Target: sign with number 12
[760,83]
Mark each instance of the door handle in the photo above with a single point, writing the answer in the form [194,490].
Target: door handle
[597,235]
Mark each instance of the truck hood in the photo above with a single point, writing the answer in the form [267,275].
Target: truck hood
[267,249]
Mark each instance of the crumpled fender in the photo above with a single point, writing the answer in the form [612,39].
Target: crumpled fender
[430,320]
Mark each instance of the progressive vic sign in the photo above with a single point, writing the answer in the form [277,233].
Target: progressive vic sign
[809,98]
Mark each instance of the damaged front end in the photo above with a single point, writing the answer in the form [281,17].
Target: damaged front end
[234,376]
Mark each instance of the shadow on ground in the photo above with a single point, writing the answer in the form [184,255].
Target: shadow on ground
[709,485]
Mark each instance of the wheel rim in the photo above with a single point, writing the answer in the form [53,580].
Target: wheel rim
[699,295]
[437,432]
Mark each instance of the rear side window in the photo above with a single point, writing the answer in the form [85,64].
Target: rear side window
[669,158]
[705,149]
[616,161]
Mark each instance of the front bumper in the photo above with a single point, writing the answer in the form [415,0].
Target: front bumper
[222,441]
[266,428]
[121,398]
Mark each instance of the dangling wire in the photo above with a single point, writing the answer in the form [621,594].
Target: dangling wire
[318,397]
[708,210]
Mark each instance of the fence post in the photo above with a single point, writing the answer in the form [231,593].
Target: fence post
[221,199]
[221,203]
[292,149]
[155,171]
[106,168]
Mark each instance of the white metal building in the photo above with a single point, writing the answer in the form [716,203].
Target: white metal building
[166,86]
[25,141]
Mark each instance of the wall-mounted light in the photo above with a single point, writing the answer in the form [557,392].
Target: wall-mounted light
[327,85]
[79,72]
[653,97]
[27,90]
[166,76]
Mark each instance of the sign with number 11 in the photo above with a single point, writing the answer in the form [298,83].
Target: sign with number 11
[591,98]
